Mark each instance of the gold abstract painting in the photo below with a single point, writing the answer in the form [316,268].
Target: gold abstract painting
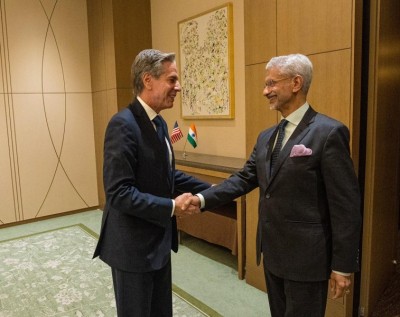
[206,64]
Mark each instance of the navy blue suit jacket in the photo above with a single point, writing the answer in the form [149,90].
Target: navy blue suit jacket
[137,231]
[309,217]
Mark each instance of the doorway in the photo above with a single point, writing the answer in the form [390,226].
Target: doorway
[382,151]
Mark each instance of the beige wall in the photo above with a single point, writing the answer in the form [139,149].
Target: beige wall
[217,137]
[47,159]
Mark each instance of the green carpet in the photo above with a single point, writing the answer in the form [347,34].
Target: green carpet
[52,274]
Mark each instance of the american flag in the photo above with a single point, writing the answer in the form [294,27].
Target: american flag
[176,134]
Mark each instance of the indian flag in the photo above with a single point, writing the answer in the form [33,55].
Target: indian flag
[192,135]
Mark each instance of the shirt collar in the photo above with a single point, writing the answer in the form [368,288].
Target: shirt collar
[296,116]
[150,112]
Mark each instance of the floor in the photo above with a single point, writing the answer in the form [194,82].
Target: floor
[205,271]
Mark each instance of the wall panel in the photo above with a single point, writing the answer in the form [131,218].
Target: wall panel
[330,91]
[258,118]
[24,28]
[38,148]
[8,210]
[100,25]
[130,17]
[46,97]
[313,26]
[254,274]
[260,32]
[118,30]
[101,116]
[258,114]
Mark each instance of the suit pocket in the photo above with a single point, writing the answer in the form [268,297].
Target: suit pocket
[310,227]
[300,160]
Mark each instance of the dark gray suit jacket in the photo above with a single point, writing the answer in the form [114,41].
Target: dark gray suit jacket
[137,231]
[309,208]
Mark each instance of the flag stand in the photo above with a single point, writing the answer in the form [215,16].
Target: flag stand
[184,155]
[191,137]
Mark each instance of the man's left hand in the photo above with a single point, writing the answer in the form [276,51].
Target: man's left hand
[339,285]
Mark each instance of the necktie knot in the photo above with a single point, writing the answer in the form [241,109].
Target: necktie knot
[282,125]
[159,127]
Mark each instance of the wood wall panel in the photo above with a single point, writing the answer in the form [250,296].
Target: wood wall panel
[118,30]
[258,118]
[254,274]
[313,26]
[330,91]
[260,30]
[101,29]
[125,97]
[129,17]
[258,114]
[100,119]
[104,83]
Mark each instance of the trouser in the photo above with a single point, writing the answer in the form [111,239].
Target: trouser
[295,299]
[144,294]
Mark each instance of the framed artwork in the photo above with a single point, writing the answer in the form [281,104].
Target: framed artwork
[206,65]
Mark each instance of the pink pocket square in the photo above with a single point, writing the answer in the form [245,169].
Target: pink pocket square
[300,150]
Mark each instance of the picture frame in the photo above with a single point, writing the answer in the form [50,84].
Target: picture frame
[206,64]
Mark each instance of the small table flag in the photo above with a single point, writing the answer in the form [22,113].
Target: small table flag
[176,134]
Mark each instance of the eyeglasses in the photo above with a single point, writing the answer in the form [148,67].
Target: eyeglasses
[271,83]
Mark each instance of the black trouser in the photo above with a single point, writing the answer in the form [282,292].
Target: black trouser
[295,299]
[147,294]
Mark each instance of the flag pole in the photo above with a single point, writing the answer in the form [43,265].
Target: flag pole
[184,155]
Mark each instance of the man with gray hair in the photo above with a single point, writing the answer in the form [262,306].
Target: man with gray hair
[140,180]
[309,222]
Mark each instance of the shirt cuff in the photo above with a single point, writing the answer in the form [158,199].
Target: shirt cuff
[173,207]
[202,201]
[341,273]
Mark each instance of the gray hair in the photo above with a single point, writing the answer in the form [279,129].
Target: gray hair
[293,65]
[148,61]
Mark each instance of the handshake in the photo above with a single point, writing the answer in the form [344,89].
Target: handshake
[186,205]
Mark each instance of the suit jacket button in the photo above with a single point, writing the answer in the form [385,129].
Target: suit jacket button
[268,196]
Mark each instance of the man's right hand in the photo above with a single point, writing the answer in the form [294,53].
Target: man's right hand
[183,207]
[191,202]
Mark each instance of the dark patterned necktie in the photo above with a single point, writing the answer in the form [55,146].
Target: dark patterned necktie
[162,135]
[160,129]
[278,144]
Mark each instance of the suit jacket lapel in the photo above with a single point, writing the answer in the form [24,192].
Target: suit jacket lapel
[147,128]
[298,134]
[144,123]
